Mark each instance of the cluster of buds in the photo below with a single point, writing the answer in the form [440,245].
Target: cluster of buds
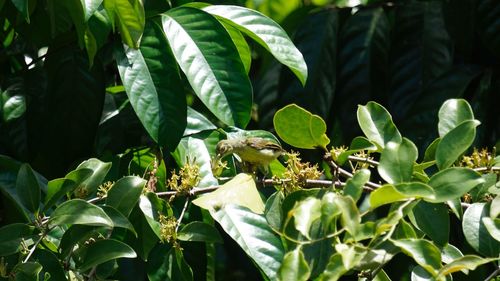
[335,152]
[102,190]
[168,227]
[188,177]
[298,173]
[478,158]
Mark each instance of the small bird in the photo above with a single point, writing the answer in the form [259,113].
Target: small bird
[254,151]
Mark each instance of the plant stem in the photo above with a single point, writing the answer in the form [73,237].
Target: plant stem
[186,204]
[493,274]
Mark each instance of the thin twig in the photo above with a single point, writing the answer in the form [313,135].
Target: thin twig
[335,167]
[32,250]
[363,160]
[493,274]
[186,204]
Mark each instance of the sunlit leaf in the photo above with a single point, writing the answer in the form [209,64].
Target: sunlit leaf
[377,124]
[294,266]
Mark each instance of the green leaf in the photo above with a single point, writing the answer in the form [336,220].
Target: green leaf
[27,271]
[495,207]
[199,231]
[12,237]
[464,263]
[396,161]
[433,220]
[426,254]
[57,188]
[334,270]
[197,122]
[79,211]
[475,231]
[452,113]
[351,254]
[151,78]
[14,107]
[273,211]
[125,193]
[99,171]
[129,16]
[167,263]
[254,236]
[119,220]
[299,128]
[350,217]
[305,213]
[493,227]
[294,266]
[28,188]
[207,55]
[278,10]
[455,142]
[453,183]
[265,32]
[241,44]
[241,190]
[105,250]
[354,186]
[377,125]
[393,193]
[90,7]
[22,6]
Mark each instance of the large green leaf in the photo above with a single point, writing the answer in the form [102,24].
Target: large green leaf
[104,250]
[354,186]
[455,142]
[464,263]
[305,213]
[396,161]
[421,51]
[240,190]
[298,127]
[433,220]
[316,38]
[452,183]
[363,59]
[79,211]
[294,266]
[387,194]
[452,113]
[199,231]
[475,231]
[197,122]
[119,220]
[12,237]
[426,254]
[377,124]
[151,78]
[28,188]
[90,7]
[125,193]
[254,236]
[207,55]
[129,16]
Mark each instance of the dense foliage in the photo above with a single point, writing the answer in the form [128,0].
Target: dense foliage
[111,111]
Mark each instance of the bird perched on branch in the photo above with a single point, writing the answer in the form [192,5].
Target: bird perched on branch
[254,152]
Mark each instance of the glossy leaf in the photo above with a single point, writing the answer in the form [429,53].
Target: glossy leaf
[475,231]
[99,171]
[463,263]
[241,190]
[350,217]
[151,78]
[210,60]
[294,266]
[298,127]
[493,227]
[125,193]
[79,211]
[128,16]
[455,142]
[119,220]
[90,7]
[433,220]
[452,113]
[14,107]
[105,250]
[426,254]
[254,236]
[199,231]
[393,193]
[241,44]
[197,122]
[28,188]
[452,183]
[12,236]
[377,124]
[265,32]
[354,186]
[396,161]
[305,213]
[495,207]
[351,254]
[334,270]
[57,188]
